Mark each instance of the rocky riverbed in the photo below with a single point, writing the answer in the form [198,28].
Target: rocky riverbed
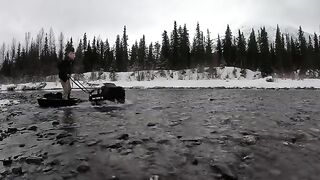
[164,134]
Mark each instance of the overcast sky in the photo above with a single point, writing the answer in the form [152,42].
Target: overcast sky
[106,18]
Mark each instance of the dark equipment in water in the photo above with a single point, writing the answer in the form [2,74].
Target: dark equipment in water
[108,91]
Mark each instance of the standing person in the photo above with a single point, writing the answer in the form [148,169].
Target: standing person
[65,67]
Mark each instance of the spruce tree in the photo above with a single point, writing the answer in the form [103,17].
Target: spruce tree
[241,50]
[150,59]
[252,54]
[265,64]
[279,50]
[165,51]
[208,49]
[219,51]
[125,56]
[316,51]
[119,54]
[302,49]
[174,48]
[227,47]
[142,53]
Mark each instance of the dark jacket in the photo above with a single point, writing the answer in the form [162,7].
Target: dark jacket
[65,67]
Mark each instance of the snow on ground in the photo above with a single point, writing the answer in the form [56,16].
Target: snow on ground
[220,77]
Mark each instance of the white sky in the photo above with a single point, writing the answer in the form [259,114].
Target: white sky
[106,18]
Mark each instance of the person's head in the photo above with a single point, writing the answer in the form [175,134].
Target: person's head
[70,53]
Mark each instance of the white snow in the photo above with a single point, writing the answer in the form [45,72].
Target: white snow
[227,77]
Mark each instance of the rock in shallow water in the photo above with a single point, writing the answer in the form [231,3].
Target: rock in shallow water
[34,160]
[83,167]
[33,128]
[249,140]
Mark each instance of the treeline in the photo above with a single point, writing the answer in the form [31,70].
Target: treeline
[39,56]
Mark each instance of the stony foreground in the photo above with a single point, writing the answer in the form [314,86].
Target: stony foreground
[164,134]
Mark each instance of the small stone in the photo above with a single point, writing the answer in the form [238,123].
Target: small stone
[154,177]
[47,169]
[123,137]
[93,142]
[34,160]
[126,152]
[54,162]
[151,124]
[135,142]
[195,162]
[17,170]
[12,130]
[33,128]
[249,140]
[7,162]
[55,123]
[113,178]
[63,135]
[115,145]
[223,170]
[22,145]
[83,167]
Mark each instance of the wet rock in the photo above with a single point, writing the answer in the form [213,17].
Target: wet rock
[123,137]
[93,142]
[54,162]
[33,128]
[55,123]
[83,167]
[34,160]
[249,140]
[150,124]
[114,178]
[135,142]
[47,169]
[126,152]
[7,162]
[163,141]
[194,162]
[63,135]
[22,129]
[12,130]
[115,145]
[154,177]
[224,170]
[17,170]
[4,172]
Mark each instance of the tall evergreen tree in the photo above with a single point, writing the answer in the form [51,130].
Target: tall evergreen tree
[142,53]
[252,53]
[119,54]
[198,48]
[227,47]
[133,63]
[165,51]
[219,50]
[174,48]
[302,49]
[208,49]
[279,51]
[241,50]
[150,59]
[157,54]
[125,55]
[316,51]
[265,64]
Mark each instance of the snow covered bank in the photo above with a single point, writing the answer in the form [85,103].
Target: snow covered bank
[219,77]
